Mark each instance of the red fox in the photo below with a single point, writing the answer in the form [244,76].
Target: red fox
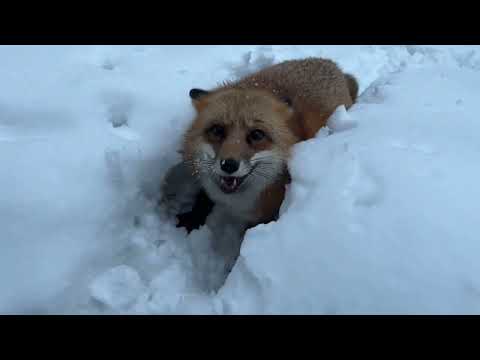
[239,143]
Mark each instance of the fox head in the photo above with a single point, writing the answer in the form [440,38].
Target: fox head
[240,140]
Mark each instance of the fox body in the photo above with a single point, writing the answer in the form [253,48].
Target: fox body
[238,146]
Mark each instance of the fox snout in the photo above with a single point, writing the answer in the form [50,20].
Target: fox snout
[233,157]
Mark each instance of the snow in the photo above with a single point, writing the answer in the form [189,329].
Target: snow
[341,120]
[117,288]
[380,217]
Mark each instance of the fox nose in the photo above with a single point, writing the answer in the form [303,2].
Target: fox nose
[229,165]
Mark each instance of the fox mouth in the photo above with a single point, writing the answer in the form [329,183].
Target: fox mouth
[230,184]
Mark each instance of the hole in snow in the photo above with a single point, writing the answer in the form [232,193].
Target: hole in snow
[119,107]
[118,120]
[108,65]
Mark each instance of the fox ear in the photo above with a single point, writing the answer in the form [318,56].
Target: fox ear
[286,100]
[197,96]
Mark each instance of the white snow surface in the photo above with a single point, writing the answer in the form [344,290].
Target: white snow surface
[381,216]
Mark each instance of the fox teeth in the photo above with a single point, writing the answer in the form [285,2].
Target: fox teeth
[230,183]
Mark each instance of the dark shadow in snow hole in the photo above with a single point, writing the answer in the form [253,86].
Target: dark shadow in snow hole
[118,112]
[180,187]
[118,119]
[196,218]
[108,65]
[119,107]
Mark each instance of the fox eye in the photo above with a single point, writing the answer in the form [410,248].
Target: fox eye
[256,135]
[216,131]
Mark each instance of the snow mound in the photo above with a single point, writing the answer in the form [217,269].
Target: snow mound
[380,218]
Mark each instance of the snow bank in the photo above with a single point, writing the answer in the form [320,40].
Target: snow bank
[381,218]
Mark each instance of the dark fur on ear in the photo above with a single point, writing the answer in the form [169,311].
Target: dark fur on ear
[196,94]
[286,100]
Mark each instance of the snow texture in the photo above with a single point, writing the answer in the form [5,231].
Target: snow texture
[380,217]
